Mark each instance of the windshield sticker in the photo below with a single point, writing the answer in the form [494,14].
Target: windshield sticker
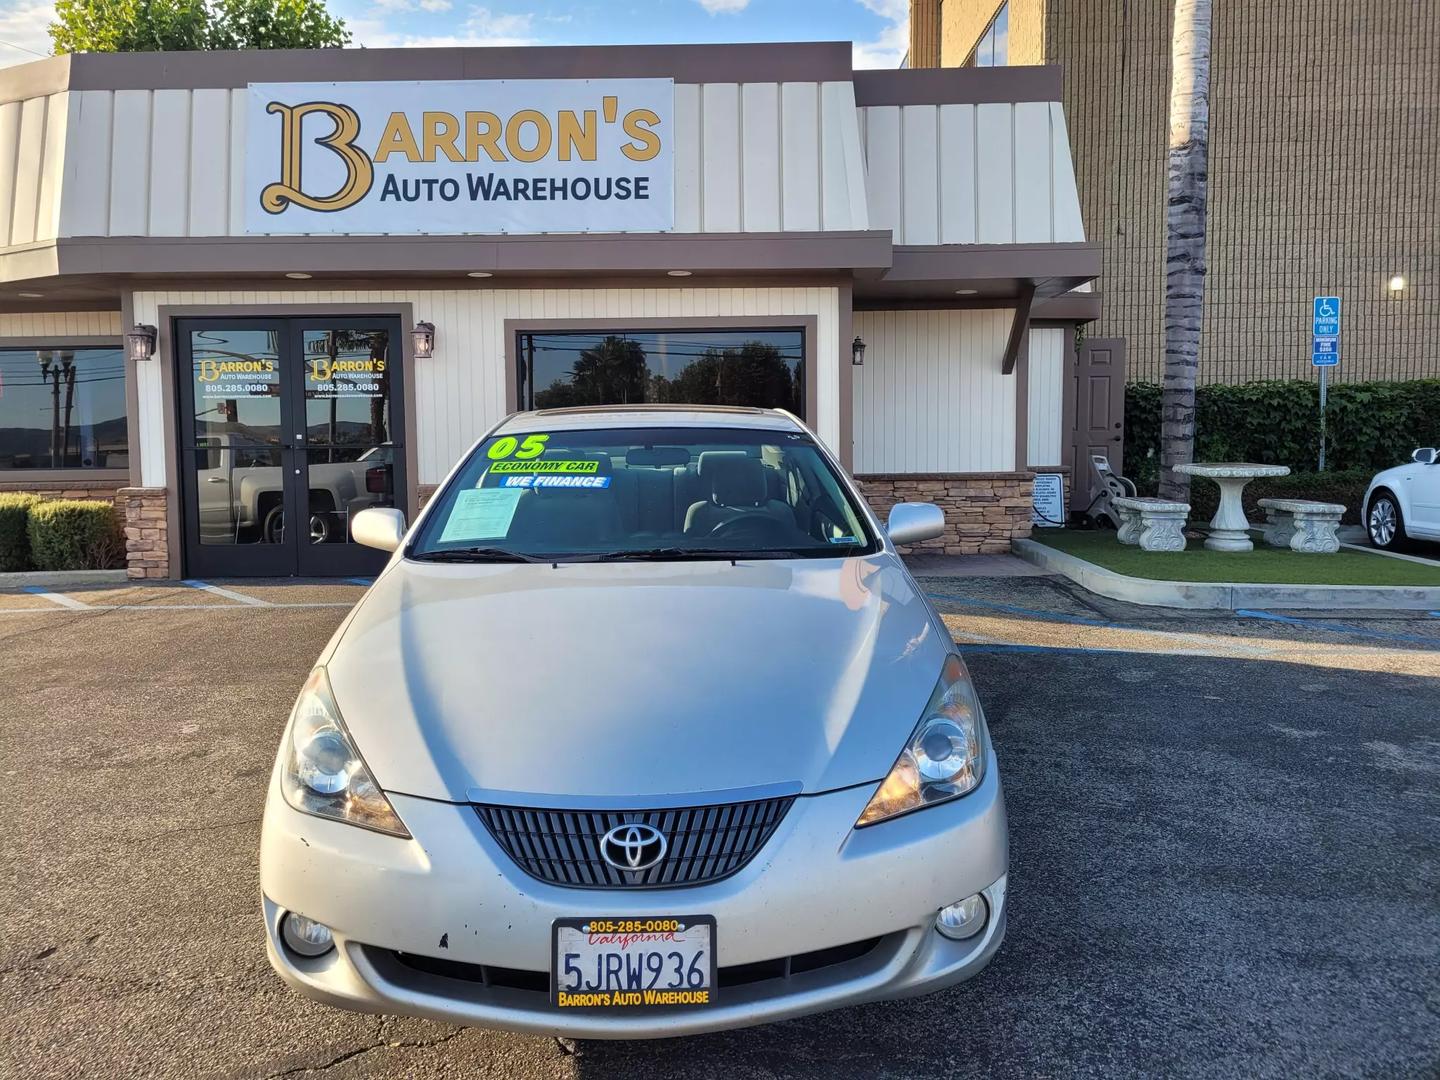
[844,540]
[481,514]
[556,482]
[509,446]
[549,466]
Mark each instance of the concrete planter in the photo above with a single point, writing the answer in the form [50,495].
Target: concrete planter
[1226,596]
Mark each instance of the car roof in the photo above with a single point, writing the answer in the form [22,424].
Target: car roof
[641,416]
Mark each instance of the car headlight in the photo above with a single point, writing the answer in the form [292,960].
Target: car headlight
[944,758]
[324,773]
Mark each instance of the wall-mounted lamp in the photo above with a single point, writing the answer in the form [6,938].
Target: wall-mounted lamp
[857,351]
[140,342]
[423,340]
[1397,283]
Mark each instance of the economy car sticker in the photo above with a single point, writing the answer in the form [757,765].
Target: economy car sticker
[549,465]
[481,514]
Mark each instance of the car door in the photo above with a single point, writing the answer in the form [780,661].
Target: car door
[1423,484]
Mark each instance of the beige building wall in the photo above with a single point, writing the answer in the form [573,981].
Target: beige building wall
[1324,173]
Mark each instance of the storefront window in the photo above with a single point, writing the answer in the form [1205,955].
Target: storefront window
[762,367]
[63,409]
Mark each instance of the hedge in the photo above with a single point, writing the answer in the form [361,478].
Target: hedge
[14,525]
[71,534]
[1370,426]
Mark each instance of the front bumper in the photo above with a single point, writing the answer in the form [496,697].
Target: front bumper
[451,895]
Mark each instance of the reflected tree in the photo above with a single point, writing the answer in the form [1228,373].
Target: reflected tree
[610,373]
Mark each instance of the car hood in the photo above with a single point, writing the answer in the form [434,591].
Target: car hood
[634,680]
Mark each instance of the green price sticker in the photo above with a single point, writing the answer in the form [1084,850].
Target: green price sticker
[509,446]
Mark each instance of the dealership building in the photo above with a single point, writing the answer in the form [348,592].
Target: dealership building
[244,295]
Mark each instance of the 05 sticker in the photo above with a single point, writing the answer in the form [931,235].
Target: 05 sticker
[508,446]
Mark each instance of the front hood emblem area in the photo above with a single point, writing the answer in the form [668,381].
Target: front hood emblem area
[634,846]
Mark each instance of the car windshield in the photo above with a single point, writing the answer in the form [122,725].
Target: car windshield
[638,493]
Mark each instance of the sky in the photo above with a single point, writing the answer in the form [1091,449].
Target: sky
[877,27]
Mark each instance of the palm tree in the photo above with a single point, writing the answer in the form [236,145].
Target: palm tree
[1184,238]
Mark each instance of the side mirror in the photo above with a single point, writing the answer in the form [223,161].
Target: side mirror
[380,527]
[910,523]
[1426,455]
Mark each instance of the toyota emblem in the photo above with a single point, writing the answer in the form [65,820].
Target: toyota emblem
[633,847]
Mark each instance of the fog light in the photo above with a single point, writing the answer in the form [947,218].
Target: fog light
[963,919]
[306,937]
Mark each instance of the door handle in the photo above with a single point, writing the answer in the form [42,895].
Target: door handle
[215,479]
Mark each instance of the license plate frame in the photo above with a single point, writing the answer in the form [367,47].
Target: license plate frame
[634,1000]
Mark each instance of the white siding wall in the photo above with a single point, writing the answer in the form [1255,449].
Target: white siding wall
[966,174]
[930,396]
[461,391]
[757,157]
[1045,415]
[57,324]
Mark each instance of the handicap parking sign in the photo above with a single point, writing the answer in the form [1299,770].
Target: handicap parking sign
[1325,352]
[1326,316]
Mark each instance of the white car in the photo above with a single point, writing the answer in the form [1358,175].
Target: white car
[644,730]
[1404,502]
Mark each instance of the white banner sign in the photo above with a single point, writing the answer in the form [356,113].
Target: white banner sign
[508,156]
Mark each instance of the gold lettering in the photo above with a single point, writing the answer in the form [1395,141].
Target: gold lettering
[441,131]
[577,135]
[482,131]
[359,172]
[543,136]
[397,138]
[646,142]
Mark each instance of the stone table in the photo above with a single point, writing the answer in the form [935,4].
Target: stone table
[1229,529]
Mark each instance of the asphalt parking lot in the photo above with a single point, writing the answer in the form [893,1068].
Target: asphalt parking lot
[1225,852]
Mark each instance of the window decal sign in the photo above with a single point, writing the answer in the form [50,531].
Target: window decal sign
[481,157]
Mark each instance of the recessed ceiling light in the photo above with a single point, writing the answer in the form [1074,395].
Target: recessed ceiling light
[298,276]
[479,273]
[31,295]
[678,273]
[966,292]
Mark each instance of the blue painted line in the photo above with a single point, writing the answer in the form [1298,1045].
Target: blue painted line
[193,583]
[366,581]
[1335,628]
[1051,616]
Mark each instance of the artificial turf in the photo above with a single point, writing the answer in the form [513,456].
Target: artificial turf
[1264,565]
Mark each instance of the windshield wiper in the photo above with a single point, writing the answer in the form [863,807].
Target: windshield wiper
[478,554]
[686,554]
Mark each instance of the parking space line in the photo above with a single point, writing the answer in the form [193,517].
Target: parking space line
[229,594]
[366,581]
[55,598]
[90,608]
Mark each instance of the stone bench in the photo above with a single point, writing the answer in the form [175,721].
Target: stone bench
[1302,525]
[1154,524]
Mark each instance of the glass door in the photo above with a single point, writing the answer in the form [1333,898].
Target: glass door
[349,447]
[286,421]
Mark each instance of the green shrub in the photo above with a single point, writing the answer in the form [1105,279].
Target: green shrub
[1370,426]
[14,523]
[75,535]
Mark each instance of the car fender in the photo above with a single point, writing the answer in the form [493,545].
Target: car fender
[1393,481]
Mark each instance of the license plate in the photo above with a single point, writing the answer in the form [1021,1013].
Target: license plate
[628,963]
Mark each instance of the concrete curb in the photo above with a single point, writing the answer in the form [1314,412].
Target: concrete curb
[1225,596]
[61,578]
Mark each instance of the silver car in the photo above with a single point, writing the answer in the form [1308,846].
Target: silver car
[645,730]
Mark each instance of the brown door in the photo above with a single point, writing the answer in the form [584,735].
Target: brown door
[1097,425]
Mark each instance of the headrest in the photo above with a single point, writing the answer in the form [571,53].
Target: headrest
[733,478]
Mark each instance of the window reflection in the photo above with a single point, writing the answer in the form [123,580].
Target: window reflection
[63,409]
[761,368]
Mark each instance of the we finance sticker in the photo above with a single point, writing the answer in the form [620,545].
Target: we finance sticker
[533,481]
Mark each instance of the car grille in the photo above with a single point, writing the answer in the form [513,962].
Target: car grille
[704,843]
[765,971]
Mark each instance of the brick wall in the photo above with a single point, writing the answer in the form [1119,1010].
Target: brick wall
[147,545]
[983,511]
[87,490]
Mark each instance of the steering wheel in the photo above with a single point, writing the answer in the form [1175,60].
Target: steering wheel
[757,528]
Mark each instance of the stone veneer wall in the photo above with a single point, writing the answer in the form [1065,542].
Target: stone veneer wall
[147,544]
[983,511]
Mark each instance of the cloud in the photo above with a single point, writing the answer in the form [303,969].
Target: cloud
[24,25]
[482,27]
[724,7]
[893,42]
